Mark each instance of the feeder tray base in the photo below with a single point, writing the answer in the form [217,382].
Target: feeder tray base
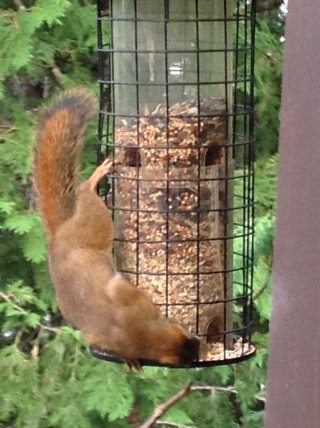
[216,355]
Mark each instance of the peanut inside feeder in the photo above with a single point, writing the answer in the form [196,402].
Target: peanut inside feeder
[171,213]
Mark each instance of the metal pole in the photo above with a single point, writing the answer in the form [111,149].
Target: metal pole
[293,398]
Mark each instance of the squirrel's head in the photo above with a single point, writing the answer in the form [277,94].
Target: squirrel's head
[178,348]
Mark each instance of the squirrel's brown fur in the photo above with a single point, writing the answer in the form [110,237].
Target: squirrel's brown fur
[112,314]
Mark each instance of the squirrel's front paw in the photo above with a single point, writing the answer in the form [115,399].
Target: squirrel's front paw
[108,166]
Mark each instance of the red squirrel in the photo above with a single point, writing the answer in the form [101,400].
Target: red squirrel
[113,315]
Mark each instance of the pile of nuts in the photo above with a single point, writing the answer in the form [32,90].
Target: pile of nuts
[240,348]
[170,212]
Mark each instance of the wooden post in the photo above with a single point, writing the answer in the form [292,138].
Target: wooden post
[293,398]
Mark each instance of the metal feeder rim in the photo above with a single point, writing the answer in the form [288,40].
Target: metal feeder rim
[103,355]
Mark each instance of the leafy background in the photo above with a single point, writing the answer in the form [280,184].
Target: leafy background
[47,376]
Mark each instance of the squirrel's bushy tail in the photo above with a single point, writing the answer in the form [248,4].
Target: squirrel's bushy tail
[61,127]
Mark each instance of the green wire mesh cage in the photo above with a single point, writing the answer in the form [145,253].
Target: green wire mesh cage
[177,110]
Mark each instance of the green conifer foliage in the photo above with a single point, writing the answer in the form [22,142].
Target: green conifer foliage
[47,376]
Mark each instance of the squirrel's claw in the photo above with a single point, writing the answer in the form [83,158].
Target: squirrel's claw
[133,365]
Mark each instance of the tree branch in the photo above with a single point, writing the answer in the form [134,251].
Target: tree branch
[7,298]
[36,345]
[265,284]
[57,73]
[187,389]
[173,424]
[214,389]
[162,408]
[226,389]
[19,5]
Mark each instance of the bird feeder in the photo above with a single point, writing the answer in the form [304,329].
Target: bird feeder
[176,109]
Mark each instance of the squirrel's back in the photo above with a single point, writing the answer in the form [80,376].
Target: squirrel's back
[61,127]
